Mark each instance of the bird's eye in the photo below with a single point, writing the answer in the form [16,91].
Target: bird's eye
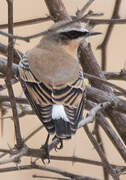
[73,34]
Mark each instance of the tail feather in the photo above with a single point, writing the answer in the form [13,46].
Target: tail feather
[62,129]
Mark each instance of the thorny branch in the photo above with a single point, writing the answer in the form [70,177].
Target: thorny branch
[9,75]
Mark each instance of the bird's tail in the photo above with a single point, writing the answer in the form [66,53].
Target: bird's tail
[62,129]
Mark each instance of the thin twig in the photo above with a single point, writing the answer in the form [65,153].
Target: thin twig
[103,45]
[100,142]
[2,155]
[109,168]
[92,113]
[48,177]
[116,75]
[89,76]
[33,133]
[10,35]
[46,168]
[74,159]
[62,172]
[27,22]
[80,13]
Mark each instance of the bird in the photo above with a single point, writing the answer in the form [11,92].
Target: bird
[52,79]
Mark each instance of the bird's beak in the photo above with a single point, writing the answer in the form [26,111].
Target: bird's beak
[93,33]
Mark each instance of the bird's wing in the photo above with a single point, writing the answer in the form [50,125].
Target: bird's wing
[38,95]
[42,111]
[73,97]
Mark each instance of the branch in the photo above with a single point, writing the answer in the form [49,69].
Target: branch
[16,157]
[3,67]
[46,168]
[100,119]
[18,100]
[27,22]
[17,54]
[33,133]
[103,45]
[119,169]
[49,177]
[75,159]
[17,153]
[92,77]
[10,35]
[57,10]
[63,172]
[9,75]
[104,21]
[91,116]
[116,75]
[106,164]
[80,13]
[3,86]
[99,96]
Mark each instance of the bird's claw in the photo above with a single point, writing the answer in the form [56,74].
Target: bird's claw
[59,145]
[43,160]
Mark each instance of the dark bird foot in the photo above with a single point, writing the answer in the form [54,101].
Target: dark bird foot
[45,147]
[60,144]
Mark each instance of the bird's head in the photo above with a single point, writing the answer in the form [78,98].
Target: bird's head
[64,32]
[66,36]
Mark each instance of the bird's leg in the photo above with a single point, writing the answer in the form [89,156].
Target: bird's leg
[45,147]
[60,144]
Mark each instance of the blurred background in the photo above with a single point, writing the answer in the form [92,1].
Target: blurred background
[79,146]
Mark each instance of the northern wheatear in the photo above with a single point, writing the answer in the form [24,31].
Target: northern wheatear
[52,79]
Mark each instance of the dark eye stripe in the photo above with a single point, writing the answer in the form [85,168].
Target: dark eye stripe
[73,34]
